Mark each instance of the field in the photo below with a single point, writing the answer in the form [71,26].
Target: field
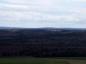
[30,60]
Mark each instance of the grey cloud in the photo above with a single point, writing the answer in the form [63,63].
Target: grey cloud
[36,13]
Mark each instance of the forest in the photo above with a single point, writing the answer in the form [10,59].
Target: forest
[43,42]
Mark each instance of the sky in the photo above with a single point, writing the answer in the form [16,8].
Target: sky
[43,13]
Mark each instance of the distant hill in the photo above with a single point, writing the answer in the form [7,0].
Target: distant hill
[42,42]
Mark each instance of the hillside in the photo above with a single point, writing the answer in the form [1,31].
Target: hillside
[42,42]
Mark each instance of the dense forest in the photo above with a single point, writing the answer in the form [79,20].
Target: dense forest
[42,42]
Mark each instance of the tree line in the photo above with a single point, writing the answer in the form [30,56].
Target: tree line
[42,43]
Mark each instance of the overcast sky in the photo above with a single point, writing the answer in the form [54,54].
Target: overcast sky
[43,13]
